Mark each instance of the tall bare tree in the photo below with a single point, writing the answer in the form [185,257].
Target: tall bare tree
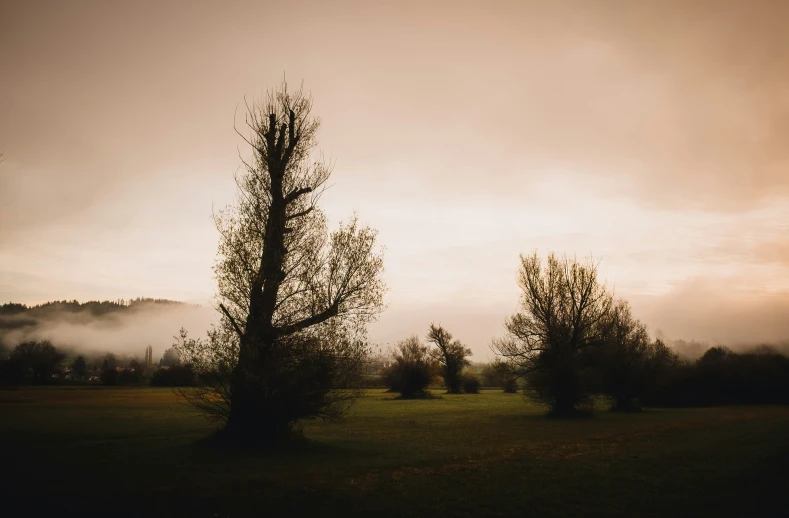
[565,310]
[450,354]
[294,299]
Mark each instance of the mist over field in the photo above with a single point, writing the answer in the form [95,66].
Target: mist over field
[122,329]
[683,319]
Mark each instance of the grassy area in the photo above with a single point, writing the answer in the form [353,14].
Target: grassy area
[136,451]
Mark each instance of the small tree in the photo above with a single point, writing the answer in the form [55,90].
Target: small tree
[471,383]
[37,362]
[110,362]
[170,358]
[79,369]
[496,374]
[565,311]
[411,369]
[451,355]
[109,377]
[175,376]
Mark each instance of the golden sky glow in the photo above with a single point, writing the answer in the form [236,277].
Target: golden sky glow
[652,135]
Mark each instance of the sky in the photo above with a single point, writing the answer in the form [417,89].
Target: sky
[650,135]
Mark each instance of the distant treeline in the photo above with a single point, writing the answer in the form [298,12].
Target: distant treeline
[41,363]
[723,377]
[94,307]
[754,375]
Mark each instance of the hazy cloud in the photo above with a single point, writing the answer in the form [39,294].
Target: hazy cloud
[650,134]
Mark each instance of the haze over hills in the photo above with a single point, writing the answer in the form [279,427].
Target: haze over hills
[128,326]
[121,326]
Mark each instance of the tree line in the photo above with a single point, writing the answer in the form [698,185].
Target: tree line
[573,343]
[41,363]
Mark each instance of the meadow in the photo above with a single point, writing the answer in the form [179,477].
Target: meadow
[140,452]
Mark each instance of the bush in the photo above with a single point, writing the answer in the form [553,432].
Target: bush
[495,374]
[510,385]
[412,369]
[109,377]
[470,383]
[175,376]
[129,376]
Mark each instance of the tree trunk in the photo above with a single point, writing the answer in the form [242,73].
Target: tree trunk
[250,417]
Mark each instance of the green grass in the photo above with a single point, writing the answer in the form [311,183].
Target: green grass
[137,451]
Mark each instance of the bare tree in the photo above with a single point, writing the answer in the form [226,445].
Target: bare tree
[294,299]
[451,355]
[631,365]
[565,310]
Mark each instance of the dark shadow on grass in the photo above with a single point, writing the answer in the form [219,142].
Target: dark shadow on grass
[569,414]
[626,409]
[416,397]
[293,445]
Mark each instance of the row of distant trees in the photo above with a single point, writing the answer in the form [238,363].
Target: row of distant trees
[573,342]
[41,363]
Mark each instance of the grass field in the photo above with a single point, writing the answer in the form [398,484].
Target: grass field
[137,451]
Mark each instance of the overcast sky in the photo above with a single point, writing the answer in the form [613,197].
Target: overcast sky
[652,135]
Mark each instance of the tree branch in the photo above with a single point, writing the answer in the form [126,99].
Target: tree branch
[324,315]
[299,214]
[294,194]
[232,320]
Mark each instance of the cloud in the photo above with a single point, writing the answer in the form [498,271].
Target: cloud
[718,311]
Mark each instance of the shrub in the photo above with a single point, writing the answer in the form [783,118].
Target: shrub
[412,369]
[496,374]
[127,376]
[175,376]
[470,383]
[109,377]
[510,385]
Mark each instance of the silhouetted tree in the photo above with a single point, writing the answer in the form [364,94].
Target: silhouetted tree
[470,382]
[37,362]
[411,370]
[295,300]
[496,374]
[175,376]
[79,369]
[631,365]
[723,377]
[110,362]
[170,357]
[130,374]
[565,311]
[109,376]
[450,354]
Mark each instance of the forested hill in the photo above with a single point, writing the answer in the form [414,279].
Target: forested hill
[94,307]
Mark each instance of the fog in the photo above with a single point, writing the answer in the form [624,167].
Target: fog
[127,332]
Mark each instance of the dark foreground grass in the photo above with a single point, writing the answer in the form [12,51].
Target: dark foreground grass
[138,452]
